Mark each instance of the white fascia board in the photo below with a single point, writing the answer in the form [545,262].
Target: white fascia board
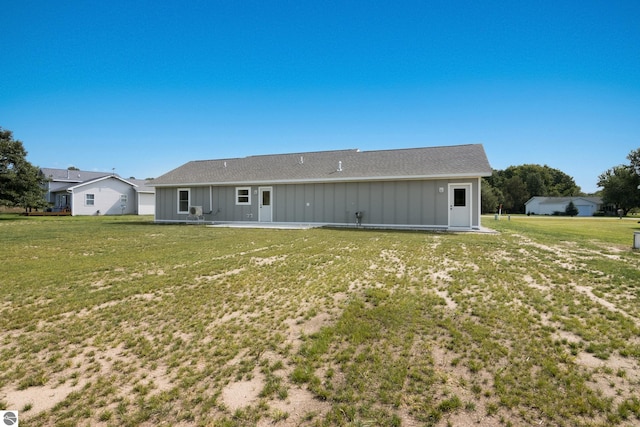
[102,178]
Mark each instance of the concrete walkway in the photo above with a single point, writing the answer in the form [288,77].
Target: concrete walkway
[307,226]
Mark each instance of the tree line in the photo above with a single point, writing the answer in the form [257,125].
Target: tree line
[22,185]
[512,187]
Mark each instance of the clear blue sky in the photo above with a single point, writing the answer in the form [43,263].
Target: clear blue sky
[145,86]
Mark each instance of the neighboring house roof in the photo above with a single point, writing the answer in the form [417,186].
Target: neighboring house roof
[66,179]
[102,178]
[67,175]
[563,200]
[142,186]
[341,165]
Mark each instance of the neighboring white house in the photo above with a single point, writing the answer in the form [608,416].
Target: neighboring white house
[587,206]
[97,193]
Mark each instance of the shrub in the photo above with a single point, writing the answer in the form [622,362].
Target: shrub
[571,210]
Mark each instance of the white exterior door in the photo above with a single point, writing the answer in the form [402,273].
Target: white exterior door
[265,211]
[460,205]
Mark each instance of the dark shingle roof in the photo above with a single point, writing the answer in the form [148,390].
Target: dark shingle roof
[67,175]
[341,165]
[143,185]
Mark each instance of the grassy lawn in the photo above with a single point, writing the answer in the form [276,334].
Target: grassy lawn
[110,321]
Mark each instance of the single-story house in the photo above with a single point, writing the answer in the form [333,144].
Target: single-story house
[587,206]
[435,187]
[96,193]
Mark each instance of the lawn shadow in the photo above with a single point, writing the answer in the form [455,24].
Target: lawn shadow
[130,223]
[13,217]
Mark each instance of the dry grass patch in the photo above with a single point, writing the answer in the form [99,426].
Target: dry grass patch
[113,321]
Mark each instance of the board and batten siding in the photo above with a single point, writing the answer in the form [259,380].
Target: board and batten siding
[407,202]
[399,202]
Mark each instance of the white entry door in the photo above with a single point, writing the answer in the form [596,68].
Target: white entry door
[265,213]
[460,205]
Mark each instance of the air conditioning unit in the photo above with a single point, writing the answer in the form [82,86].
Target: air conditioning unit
[195,210]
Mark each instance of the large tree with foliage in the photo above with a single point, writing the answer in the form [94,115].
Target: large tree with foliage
[491,197]
[517,184]
[20,182]
[620,184]
[515,194]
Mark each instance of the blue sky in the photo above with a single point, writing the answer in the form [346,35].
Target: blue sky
[145,86]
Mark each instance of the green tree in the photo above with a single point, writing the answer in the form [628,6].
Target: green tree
[536,184]
[515,195]
[634,159]
[20,182]
[571,210]
[516,184]
[491,197]
[620,187]
[544,180]
[562,185]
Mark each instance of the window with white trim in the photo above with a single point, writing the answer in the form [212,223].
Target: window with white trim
[89,199]
[123,198]
[243,195]
[460,197]
[184,197]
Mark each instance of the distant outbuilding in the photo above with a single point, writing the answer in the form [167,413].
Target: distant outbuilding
[587,206]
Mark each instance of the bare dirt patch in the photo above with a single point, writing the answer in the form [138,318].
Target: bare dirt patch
[299,327]
[451,304]
[40,398]
[601,301]
[268,261]
[297,406]
[243,393]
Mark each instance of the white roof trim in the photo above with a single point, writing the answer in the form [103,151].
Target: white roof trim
[93,181]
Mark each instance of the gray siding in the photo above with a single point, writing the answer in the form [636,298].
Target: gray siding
[383,202]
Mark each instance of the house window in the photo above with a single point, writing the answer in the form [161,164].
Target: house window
[243,195]
[459,197]
[184,194]
[89,199]
[123,199]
